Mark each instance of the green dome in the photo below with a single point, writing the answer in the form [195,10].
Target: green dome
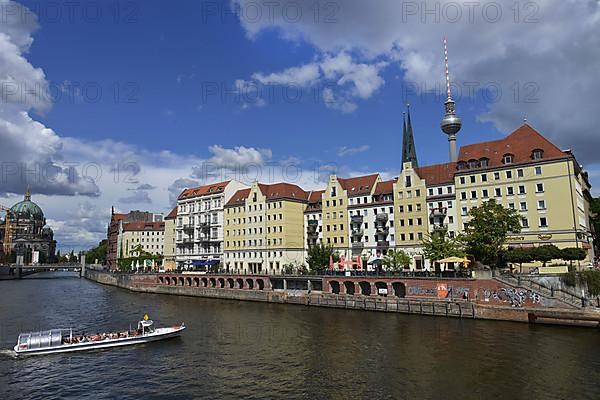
[27,209]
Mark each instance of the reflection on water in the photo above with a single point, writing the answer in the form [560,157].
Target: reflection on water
[256,351]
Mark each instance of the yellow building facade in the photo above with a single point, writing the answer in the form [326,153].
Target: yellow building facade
[264,229]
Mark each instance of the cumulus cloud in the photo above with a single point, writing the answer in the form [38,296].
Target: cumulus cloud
[137,197]
[30,152]
[542,55]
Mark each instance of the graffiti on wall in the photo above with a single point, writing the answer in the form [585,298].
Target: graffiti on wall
[514,297]
[419,291]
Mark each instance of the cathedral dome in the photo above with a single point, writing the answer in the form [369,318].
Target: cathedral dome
[27,209]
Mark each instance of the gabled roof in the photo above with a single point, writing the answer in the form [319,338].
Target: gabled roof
[437,174]
[203,190]
[520,144]
[143,226]
[172,214]
[384,187]
[278,191]
[359,185]
[238,198]
[315,196]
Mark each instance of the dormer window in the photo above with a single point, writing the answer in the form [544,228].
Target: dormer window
[473,164]
[537,154]
[508,159]
[461,165]
[484,162]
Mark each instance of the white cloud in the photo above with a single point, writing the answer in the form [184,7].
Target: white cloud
[349,151]
[302,76]
[548,49]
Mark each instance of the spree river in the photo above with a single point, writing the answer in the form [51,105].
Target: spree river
[265,351]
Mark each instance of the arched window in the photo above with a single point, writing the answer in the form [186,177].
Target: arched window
[461,165]
[537,154]
[508,158]
[473,164]
[484,162]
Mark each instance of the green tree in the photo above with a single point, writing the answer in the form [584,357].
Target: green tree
[97,253]
[519,255]
[318,257]
[440,246]
[486,231]
[396,260]
[571,254]
[595,221]
[546,253]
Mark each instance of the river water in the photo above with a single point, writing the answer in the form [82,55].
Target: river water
[266,351]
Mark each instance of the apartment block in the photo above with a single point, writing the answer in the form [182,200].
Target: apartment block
[138,237]
[264,229]
[199,226]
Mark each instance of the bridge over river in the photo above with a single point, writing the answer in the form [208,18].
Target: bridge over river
[21,271]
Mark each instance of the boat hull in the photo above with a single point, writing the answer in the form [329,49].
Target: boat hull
[160,334]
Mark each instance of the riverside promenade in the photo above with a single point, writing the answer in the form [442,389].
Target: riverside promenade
[488,298]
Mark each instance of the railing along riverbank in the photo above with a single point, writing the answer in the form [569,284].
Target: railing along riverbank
[462,298]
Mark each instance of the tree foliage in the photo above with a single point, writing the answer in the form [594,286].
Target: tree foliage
[595,221]
[97,253]
[573,254]
[396,260]
[487,229]
[546,253]
[318,257]
[519,255]
[440,246]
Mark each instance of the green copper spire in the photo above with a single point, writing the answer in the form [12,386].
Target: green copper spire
[409,152]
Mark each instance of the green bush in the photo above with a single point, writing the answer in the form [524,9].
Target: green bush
[569,279]
[592,280]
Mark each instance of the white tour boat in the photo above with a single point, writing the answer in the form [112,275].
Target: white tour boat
[65,340]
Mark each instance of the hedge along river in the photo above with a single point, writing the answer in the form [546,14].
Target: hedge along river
[256,350]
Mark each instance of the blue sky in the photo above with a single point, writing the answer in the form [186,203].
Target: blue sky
[161,59]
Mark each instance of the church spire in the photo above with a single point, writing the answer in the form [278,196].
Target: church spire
[409,152]
[28,194]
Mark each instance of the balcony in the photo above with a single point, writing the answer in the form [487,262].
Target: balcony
[313,223]
[438,212]
[356,219]
[440,227]
[383,245]
[358,245]
[204,225]
[358,232]
[188,227]
[382,230]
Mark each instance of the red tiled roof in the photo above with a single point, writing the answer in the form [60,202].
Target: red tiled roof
[143,226]
[437,174]
[315,196]
[172,214]
[359,185]
[238,198]
[520,144]
[385,187]
[203,190]
[283,191]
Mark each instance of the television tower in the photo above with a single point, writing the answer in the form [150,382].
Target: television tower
[451,123]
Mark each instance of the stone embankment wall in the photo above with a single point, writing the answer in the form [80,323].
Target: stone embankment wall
[463,298]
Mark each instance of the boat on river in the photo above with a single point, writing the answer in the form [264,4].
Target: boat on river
[65,340]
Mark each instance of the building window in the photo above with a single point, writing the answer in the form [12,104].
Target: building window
[484,193]
[440,190]
[543,222]
[463,195]
[484,162]
[462,180]
[510,191]
[449,189]
[541,204]
[521,189]
[520,173]
[462,165]
[511,206]
[472,178]
[464,211]
[408,181]
[498,192]
[507,159]
[508,174]
[473,164]
[483,177]
[537,154]
[524,222]
[523,206]
[538,170]
[431,192]
[496,175]
[539,188]
[473,194]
